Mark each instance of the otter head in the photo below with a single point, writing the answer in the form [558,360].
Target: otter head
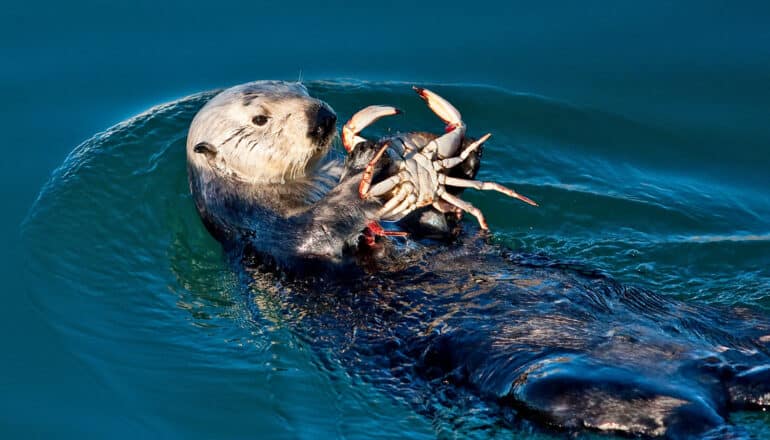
[261,132]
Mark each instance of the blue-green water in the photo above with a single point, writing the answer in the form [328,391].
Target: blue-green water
[641,130]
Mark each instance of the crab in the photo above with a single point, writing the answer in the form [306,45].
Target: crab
[418,176]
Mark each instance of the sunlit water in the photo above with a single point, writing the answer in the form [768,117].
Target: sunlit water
[145,298]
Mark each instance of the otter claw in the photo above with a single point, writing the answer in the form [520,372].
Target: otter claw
[362,119]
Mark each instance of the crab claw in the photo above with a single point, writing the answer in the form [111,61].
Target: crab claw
[362,119]
[441,107]
[447,145]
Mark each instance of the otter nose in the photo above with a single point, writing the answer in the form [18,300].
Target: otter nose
[324,123]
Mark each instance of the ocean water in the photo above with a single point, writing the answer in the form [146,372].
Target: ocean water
[641,130]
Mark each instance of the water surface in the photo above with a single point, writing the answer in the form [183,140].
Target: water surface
[141,295]
[641,127]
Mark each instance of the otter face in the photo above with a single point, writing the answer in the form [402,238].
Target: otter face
[261,132]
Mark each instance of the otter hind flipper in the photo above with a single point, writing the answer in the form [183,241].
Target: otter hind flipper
[750,389]
[570,392]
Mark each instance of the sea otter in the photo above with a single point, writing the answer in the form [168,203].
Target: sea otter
[262,177]
[457,323]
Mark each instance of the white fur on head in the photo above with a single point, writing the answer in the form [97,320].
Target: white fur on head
[273,148]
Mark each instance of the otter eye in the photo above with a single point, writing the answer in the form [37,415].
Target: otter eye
[260,119]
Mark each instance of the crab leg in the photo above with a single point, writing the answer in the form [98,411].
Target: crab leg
[487,186]
[376,229]
[454,161]
[447,144]
[445,207]
[405,205]
[362,119]
[366,179]
[386,185]
[467,207]
[399,197]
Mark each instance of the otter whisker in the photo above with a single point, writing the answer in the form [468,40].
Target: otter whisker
[235,133]
[237,144]
[248,135]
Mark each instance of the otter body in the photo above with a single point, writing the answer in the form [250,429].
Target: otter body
[522,339]
[531,338]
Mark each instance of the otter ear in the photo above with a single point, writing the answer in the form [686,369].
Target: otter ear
[206,148]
